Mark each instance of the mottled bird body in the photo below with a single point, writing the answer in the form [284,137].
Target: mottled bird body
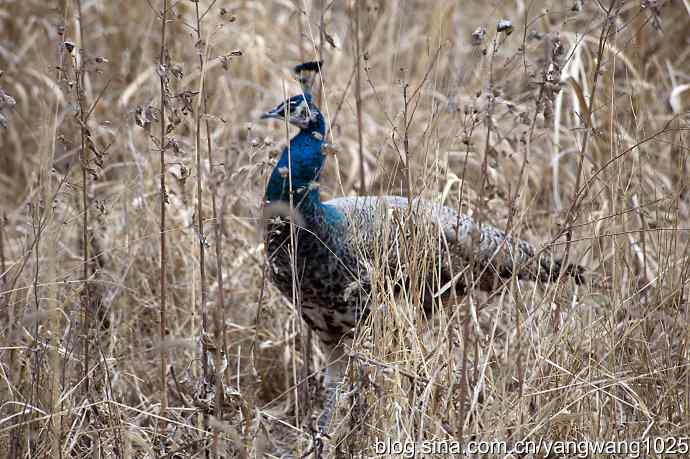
[325,260]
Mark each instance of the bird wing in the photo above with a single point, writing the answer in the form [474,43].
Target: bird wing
[463,243]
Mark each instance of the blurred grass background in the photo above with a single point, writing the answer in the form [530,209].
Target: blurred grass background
[571,131]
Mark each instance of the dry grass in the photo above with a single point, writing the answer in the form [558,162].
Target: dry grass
[596,167]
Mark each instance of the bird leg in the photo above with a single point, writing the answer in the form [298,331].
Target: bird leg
[335,374]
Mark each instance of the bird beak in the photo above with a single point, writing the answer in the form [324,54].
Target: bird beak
[276,113]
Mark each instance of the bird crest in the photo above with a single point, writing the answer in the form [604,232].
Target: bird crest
[306,74]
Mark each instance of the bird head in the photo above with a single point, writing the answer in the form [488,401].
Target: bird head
[298,110]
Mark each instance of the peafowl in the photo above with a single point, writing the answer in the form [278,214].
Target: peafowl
[322,253]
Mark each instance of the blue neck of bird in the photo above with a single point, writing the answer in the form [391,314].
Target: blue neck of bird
[305,159]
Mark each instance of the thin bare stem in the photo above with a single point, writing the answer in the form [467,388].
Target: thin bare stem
[56,426]
[578,195]
[162,71]
[200,230]
[3,263]
[358,99]
[84,159]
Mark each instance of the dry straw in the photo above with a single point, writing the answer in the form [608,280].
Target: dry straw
[136,316]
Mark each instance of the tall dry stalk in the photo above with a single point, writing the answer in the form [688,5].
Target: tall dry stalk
[51,271]
[202,46]
[78,60]
[3,262]
[162,73]
[579,192]
[358,96]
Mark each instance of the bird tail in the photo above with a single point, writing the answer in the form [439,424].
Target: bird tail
[551,269]
[498,253]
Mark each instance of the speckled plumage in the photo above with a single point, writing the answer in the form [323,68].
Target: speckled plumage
[338,243]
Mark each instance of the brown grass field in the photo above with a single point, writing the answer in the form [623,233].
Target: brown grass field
[118,308]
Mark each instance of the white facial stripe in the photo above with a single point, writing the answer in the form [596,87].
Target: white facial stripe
[303,111]
[299,108]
